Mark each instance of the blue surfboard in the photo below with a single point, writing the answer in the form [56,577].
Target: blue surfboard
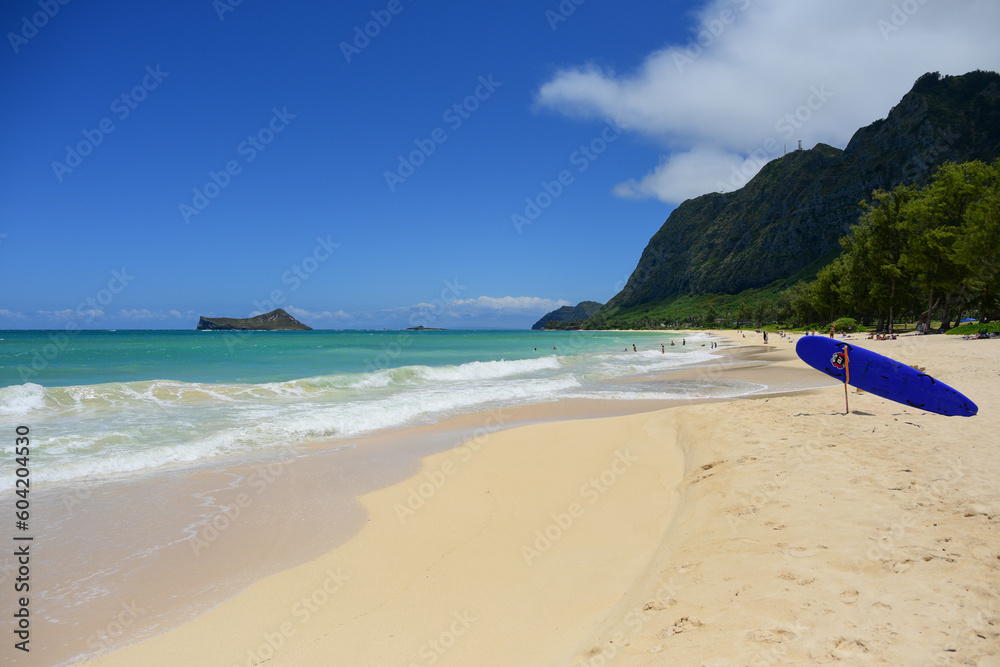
[882,376]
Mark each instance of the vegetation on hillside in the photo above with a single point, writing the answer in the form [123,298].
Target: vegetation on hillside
[929,254]
[922,253]
[795,210]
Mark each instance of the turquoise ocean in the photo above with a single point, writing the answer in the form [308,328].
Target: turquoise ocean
[113,402]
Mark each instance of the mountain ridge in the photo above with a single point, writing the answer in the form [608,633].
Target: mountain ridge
[568,314]
[795,210]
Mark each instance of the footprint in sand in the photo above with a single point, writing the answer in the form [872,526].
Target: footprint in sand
[656,605]
[773,636]
[682,624]
[899,567]
[849,597]
[846,649]
[805,552]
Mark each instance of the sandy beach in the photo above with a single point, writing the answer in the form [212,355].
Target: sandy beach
[774,530]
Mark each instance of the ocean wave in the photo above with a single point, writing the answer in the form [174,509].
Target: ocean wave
[100,429]
[21,399]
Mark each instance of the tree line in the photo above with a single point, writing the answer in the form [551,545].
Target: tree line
[930,253]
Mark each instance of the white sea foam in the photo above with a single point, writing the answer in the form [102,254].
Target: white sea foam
[21,399]
[82,431]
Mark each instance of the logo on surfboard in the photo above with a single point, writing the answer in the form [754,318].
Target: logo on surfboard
[838,361]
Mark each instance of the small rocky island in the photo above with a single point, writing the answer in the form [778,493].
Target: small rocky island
[276,320]
[423,328]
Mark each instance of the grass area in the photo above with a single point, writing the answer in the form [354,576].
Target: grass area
[973,328]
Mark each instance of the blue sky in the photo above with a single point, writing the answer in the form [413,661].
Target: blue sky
[494,160]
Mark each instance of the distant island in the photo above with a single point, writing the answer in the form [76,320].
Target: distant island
[276,320]
[568,317]
[423,328]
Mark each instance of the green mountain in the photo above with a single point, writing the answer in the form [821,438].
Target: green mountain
[788,219]
[276,320]
[567,315]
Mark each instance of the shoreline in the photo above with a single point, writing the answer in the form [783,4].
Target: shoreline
[658,561]
[237,520]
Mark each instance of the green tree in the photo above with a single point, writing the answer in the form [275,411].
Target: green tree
[934,221]
[977,248]
[876,248]
[743,313]
[797,303]
[825,295]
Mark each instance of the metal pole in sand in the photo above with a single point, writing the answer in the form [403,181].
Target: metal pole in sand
[847,378]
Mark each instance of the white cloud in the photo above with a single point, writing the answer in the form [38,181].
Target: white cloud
[11,314]
[87,315]
[143,314]
[507,305]
[684,175]
[479,312]
[316,315]
[759,74]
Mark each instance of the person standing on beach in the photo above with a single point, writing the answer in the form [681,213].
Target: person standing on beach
[633,348]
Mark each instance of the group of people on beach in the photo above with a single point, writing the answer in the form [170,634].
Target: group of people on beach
[881,336]
[981,335]
[781,334]
[663,347]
